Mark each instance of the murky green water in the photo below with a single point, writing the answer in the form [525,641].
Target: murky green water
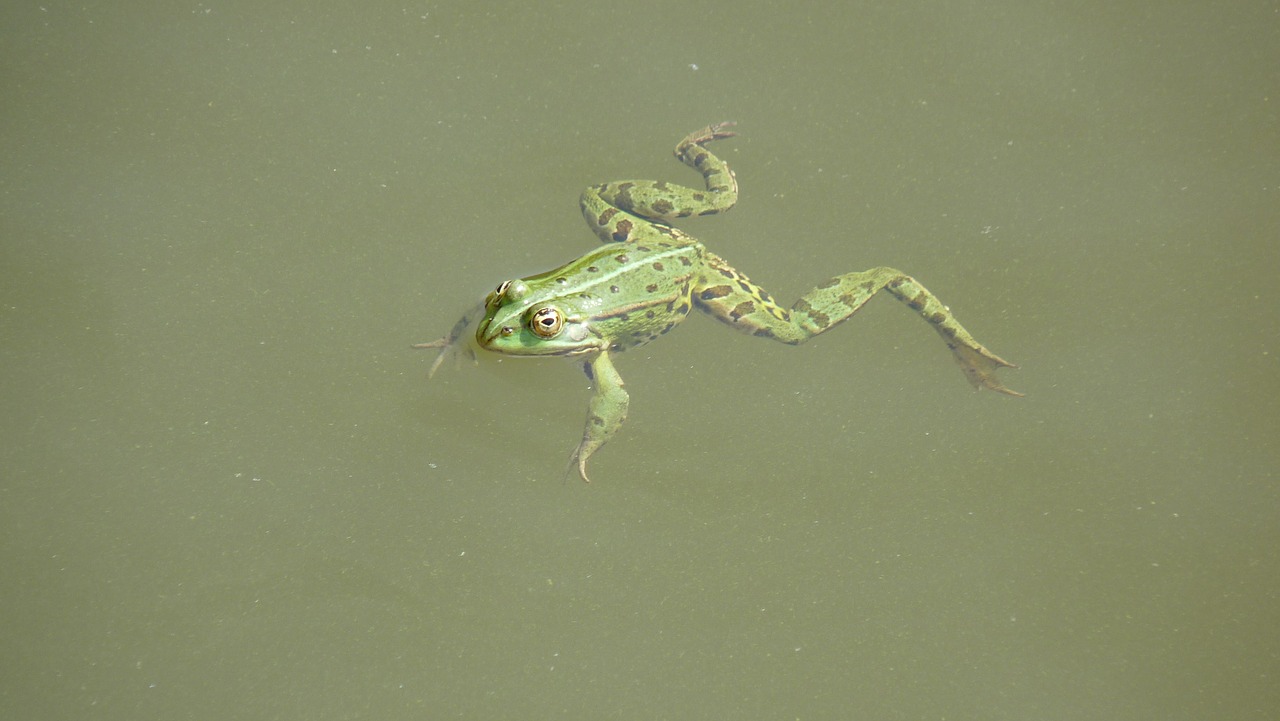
[228,491]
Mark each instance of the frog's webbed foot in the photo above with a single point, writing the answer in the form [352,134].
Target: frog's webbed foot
[980,366]
[715,131]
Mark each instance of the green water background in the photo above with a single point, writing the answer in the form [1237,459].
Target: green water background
[228,492]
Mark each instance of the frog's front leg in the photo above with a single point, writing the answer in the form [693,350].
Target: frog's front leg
[731,297]
[452,345]
[606,410]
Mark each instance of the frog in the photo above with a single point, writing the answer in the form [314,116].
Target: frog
[648,276]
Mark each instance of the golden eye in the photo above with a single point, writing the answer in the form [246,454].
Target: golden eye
[502,288]
[546,322]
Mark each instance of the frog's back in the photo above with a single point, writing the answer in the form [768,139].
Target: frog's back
[630,293]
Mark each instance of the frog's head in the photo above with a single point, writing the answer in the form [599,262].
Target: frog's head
[518,321]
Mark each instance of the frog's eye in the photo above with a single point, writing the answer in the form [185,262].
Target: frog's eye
[495,296]
[512,291]
[508,291]
[546,322]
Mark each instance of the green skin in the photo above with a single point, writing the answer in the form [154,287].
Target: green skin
[649,275]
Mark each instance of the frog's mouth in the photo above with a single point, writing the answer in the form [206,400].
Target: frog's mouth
[492,340]
[514,338]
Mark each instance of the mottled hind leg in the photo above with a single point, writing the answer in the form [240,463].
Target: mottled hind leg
[978,364]
[732,298]
[628,210]
[722,185]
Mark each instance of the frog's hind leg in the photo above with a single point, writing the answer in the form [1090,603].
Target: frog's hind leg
[734,299]
[629,210]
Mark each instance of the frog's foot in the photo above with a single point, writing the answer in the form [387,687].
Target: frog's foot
[578,463]
[452,345]
[449,348]
[980,366]
[715,131]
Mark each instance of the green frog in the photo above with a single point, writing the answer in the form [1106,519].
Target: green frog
[649,275]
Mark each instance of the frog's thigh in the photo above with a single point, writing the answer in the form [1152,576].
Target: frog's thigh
[745,306]
[613,225]
[737,301]
[660,200]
